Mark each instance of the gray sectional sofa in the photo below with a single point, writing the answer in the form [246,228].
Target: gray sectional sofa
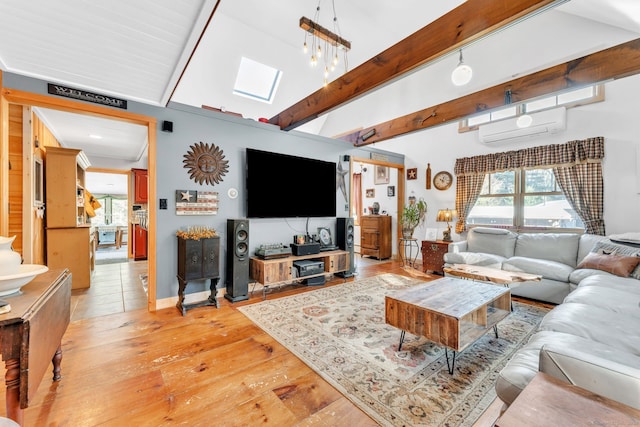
[554,256]
[591,339]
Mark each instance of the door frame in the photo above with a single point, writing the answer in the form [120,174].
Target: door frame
[11,96]
[400,193]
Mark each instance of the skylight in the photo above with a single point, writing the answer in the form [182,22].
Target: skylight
[256,81]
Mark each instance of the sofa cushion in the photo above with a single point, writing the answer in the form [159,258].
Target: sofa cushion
[610,281]
[475,258]
[495,241]
[614,300]
[587,243]
[559,247]
[617,330]
[608,247]
[579,275]
[523,366]
[547,269]
[620,265]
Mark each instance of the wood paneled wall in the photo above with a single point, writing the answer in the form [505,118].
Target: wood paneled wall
[18,114]
[15,175]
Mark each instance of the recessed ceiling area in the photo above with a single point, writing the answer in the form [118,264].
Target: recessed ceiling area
[114,184]
[97,137]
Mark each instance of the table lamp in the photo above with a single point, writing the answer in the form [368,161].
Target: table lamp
[446,215]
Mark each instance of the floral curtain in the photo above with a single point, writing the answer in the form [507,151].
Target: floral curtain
[577,166]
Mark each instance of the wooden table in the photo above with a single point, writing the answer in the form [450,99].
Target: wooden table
[547,401]
[449,311]
[489,274]
[31,335]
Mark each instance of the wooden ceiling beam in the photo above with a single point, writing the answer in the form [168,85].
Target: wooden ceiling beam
[468,22]
[616,62]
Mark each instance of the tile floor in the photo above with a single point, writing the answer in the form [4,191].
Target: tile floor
[115,288]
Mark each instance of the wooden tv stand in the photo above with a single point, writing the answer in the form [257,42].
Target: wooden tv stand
[279,271]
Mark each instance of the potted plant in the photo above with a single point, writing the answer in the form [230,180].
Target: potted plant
[412,216]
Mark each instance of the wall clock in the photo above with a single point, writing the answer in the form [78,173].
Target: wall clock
[442,180]
[206,163]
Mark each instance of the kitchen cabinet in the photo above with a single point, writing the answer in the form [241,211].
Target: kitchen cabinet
[139,243]
[140,185]
[68,242]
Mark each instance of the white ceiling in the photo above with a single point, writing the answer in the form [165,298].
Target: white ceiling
[138,50]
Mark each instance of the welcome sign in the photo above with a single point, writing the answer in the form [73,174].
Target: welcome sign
[83,95]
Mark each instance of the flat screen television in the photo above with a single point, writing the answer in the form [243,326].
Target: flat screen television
[285,186]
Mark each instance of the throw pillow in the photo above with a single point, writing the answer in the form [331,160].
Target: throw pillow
[607,247]
[619,265]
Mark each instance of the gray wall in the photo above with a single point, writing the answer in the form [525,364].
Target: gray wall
[233,135]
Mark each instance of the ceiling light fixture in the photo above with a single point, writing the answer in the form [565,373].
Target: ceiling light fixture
[462,74]
[321,37]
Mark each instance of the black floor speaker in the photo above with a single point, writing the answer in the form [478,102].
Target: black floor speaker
[345,241]
[237,272]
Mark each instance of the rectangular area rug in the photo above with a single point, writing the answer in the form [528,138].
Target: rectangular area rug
[341,334]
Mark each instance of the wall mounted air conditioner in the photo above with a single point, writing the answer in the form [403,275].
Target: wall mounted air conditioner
[544,123]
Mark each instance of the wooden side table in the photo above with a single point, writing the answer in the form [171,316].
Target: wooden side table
[547,401]
[433,255]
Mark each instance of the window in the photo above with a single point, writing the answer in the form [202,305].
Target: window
[573,98]
[523,198]
[256,81]
[114,211]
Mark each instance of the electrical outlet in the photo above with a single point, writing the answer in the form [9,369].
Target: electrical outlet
[163,203]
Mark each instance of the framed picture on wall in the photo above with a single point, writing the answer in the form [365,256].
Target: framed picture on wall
[391,190]
[381,175]
[412,173]
[370,192]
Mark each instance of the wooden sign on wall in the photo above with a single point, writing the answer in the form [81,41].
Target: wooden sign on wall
[189,202]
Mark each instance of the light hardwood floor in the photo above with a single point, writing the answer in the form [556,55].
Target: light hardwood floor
[211,367]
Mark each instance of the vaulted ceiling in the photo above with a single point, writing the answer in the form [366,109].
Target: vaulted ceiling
[188,51]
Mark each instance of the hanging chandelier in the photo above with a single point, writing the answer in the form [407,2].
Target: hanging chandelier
[325,45]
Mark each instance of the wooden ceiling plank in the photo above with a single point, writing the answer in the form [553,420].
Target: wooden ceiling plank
[616,62]
[464,24]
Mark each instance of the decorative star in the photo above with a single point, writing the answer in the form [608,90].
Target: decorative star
[186,195]
[340,173]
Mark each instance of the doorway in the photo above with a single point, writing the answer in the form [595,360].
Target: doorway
[148,123]
[111,221]
[376,181]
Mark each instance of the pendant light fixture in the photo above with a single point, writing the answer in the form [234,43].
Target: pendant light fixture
[325,44]
[462,74]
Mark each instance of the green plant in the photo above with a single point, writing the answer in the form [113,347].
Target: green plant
[413,215]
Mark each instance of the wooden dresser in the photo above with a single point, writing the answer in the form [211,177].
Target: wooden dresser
[375,236]
[433,255]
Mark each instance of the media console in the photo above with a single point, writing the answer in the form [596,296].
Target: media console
[280,271]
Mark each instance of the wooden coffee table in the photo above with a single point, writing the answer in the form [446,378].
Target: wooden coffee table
[489,274]
[450,312]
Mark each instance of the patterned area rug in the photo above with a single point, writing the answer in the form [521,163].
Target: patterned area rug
[341,334]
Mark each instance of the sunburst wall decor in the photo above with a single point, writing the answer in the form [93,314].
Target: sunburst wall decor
[206,163]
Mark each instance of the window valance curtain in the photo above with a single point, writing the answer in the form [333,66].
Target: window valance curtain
[577,167]
[572,152]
